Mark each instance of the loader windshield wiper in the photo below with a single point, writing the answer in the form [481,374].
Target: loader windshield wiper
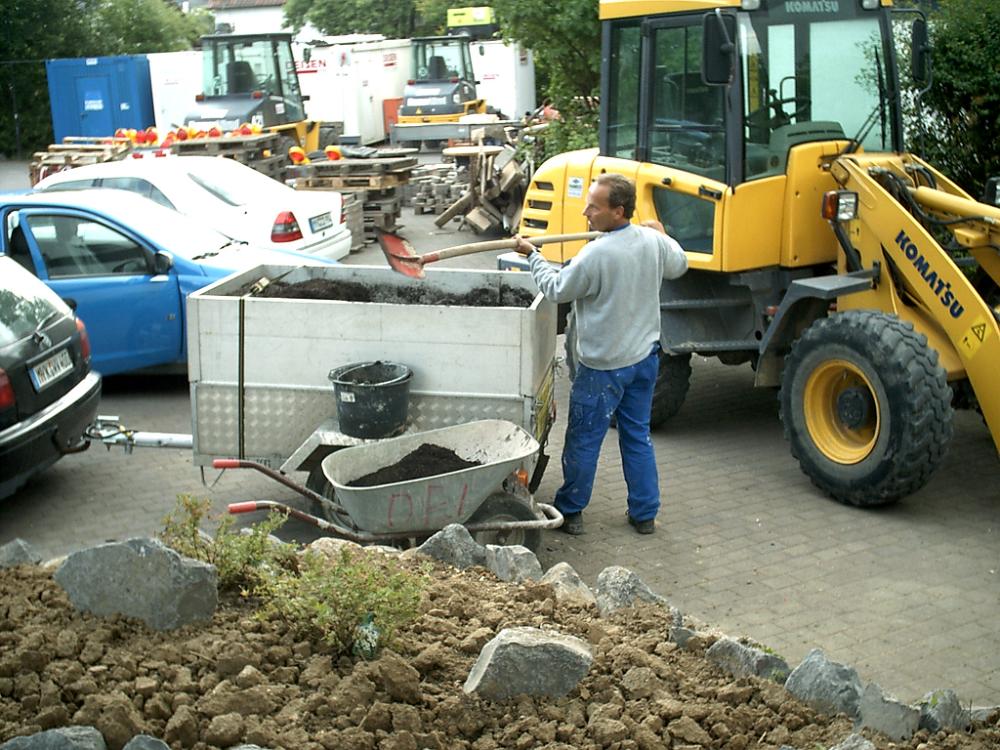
[877,113]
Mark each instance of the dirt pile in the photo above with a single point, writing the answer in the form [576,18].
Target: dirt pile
[241,680]
[412,294]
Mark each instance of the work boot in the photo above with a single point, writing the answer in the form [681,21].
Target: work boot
[643,527]
[572,524]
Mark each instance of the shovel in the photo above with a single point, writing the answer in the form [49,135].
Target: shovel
[404,260]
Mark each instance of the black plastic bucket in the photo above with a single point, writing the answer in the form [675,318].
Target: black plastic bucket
[372,398]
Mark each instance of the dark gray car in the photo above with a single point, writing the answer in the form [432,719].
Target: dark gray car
[48,394]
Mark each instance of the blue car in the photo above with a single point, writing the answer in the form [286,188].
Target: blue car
[126,264]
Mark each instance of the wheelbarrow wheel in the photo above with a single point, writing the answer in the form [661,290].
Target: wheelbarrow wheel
[318,483]
[502,506]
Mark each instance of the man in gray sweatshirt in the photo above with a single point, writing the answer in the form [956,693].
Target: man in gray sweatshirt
[614,285]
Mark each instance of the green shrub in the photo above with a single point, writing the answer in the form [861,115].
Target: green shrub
[242,561]
[329,599]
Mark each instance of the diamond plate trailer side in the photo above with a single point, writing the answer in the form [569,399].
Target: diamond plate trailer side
[258,366]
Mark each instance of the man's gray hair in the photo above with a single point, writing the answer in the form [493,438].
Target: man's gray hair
[621,192]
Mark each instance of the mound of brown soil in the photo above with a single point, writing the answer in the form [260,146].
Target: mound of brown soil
[237,679]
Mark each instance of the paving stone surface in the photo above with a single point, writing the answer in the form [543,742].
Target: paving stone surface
[907,594]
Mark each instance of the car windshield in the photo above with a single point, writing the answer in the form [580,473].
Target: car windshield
[182,235]
[232,183]
[25,303]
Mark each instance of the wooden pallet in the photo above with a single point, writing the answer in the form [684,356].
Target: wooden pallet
[76,151]
[228,146]
[375,166]
[378,182]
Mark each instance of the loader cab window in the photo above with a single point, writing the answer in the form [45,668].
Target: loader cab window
[812,76]
[686,118]
[622,119]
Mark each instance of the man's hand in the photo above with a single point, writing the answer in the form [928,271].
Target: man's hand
[654,224]
[524,247]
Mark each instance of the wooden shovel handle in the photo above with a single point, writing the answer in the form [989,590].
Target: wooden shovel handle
[507,244]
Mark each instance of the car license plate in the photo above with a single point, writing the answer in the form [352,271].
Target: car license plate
[49,371]
[321,222]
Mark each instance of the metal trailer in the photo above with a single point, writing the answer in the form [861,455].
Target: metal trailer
[258,366]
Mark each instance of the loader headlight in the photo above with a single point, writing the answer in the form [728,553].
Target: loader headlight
[840,205]
[456,98]
[870,4]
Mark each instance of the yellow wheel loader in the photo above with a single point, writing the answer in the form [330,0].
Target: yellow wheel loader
[766,135]
[251,78]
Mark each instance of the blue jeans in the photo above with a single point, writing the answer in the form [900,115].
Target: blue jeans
[596,395]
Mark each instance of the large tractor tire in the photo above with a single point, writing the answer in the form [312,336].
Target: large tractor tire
[672,379]
[672,382]
[866,407]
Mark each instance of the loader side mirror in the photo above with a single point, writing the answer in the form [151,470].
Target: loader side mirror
[717,48]
[920,52]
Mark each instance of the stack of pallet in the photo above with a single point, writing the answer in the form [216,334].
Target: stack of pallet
[496,185]
[376,181]
[76,151]
[354,218]
[262,152]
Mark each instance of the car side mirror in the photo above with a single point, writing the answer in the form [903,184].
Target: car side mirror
[162,262]
[70,302]
[920,49]
[717,48]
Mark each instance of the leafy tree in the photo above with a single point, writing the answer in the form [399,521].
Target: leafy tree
[565,39]
[392,18]
[84,28]
[131,27]
[961,115]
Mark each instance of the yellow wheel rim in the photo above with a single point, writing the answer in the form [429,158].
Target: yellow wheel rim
[839,440]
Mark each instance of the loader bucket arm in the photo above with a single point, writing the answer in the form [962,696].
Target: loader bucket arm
[888,234]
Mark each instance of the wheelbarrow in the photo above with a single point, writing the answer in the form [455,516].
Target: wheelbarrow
[490,499]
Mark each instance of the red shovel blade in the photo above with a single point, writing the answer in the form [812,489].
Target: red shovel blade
[400,255]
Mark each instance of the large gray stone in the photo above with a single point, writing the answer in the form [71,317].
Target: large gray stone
[454,545]
[741,660]
[513,562]
[620,588]
[140,578]
[18,552]
[528,661]
[854,742]
[941,709]
[887,715]
[568,585]
[65,738]
[825,685]
[145,742]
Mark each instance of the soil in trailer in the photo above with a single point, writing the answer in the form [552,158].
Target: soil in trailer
[426,461]
[412,294]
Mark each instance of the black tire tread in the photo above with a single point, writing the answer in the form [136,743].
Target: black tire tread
[905,358]
[672,382]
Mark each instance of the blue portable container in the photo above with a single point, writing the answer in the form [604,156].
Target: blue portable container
[95,96]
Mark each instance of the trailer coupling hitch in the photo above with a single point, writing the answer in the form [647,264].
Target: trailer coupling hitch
[109,430]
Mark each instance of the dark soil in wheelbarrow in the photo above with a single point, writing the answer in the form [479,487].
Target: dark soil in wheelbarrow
[423,293]
[426,461]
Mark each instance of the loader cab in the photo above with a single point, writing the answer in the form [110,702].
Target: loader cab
[248,78]
[714,101]
[443,87]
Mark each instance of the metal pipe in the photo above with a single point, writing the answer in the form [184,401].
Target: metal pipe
[956,205]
